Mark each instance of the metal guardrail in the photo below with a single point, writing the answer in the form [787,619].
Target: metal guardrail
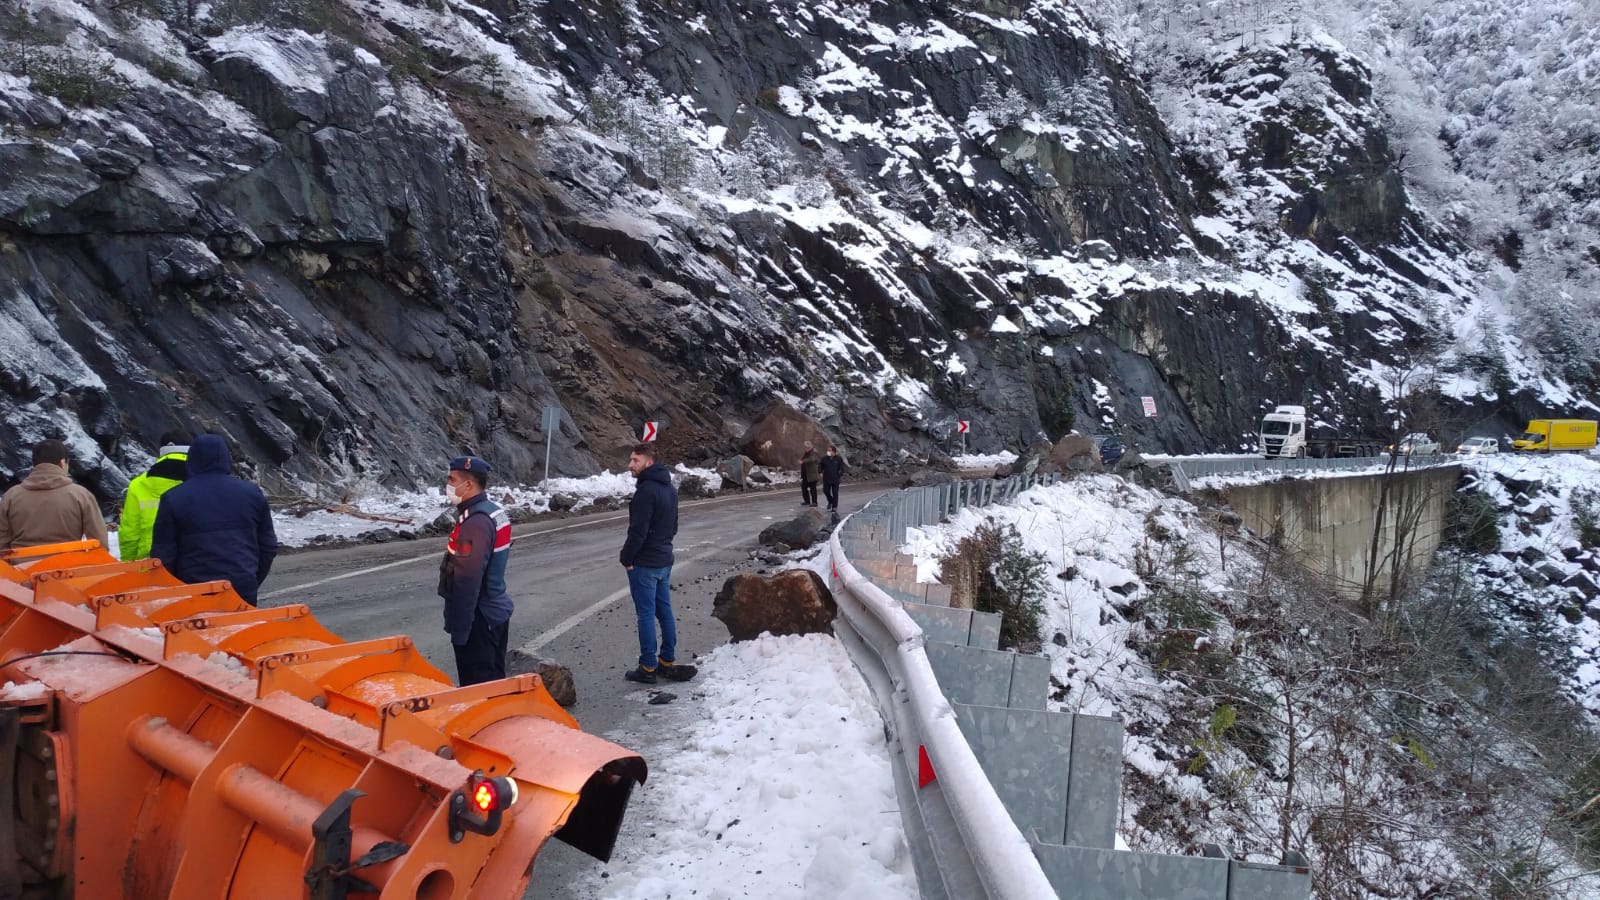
[963,840]
[1203,467]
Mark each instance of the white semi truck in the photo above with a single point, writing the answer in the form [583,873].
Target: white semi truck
[1285,433]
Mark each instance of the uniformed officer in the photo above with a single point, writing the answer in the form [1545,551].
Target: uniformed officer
[472,577]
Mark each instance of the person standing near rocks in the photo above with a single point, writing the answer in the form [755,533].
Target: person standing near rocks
[472,576]
[215,526]
[144,495]
[832,473]
[48,507]
[647,557]
[810,473]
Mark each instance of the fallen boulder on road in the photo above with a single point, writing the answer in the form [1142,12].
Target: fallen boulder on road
[556,677]
[792,602]
[798,533]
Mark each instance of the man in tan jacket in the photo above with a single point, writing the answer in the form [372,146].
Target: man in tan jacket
[48,507]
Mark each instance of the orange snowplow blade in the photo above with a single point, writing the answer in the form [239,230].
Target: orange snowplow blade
[163,739]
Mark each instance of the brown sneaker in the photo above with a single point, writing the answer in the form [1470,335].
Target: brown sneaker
[674,672]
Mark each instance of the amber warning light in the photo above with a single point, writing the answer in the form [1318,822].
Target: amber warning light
[478,807]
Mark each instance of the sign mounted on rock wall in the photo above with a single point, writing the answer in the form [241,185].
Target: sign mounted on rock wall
[1149,407]
[649,432]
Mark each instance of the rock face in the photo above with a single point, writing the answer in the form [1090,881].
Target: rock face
[357,256]
[798,533]
[307,260]
[792,602]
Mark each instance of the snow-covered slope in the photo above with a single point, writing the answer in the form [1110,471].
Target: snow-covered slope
[1442,760]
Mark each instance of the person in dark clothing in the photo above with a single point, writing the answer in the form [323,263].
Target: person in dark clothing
[213,525]
[647,557]
[832,474]
[472,576]
[810,473]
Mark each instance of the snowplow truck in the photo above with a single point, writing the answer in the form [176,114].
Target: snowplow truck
[1546,435]
[169,740]
[1286,434]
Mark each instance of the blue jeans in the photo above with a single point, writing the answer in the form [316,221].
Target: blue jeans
[652,601]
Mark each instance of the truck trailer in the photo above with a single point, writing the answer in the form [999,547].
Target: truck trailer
[1285,433]
[1546,435]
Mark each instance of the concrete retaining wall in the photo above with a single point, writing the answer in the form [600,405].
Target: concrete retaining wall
[1328,523]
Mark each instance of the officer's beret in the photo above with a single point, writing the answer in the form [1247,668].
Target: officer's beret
[469,464]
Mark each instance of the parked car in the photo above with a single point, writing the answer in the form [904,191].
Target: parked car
[1111,450]
[1479,446]
[1416,443]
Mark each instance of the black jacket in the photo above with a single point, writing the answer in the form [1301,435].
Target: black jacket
[215,526]
[832,469]
[652,520]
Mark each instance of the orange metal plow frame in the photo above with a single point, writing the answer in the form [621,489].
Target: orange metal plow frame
[181,743]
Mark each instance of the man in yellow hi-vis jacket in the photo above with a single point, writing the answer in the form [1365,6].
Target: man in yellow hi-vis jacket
[144,495]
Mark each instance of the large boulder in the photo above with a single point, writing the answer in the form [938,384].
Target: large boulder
[792,602]
[736,472]
[778,438]
[556,677]
[1032,457]
[694,487]
[799,532]
[1075,453]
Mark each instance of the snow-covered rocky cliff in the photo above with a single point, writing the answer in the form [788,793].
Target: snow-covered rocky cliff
[357,235]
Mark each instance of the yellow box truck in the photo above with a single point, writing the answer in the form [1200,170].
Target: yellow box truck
[1544,435]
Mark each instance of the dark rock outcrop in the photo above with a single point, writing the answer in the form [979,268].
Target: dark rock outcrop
[792,602]
[358,255]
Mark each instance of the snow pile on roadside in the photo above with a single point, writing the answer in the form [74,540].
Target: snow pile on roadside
[985,460]
[776,785]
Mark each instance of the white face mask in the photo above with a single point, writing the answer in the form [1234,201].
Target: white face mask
[450,495]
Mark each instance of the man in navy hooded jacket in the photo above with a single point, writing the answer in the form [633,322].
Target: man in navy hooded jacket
[647,557]
[215,526]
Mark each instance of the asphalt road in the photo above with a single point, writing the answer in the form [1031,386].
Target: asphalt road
[571,606]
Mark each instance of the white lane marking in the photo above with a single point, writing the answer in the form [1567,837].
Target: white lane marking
[577,618]
[268,595]
[432,555]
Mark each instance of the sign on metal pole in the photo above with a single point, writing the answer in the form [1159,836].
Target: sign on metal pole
[963,426]
[1149,407]
[649,432]
[549,423]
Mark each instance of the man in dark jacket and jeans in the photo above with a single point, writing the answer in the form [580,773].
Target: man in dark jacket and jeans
[472,577]
[215,526]
[647,555]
